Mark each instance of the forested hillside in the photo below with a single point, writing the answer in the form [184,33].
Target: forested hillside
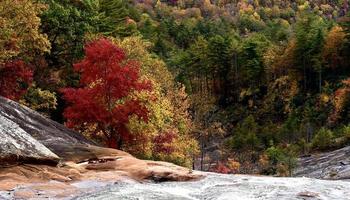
[226,85]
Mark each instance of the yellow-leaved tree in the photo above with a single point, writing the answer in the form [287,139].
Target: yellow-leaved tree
[19,30]
[167,135]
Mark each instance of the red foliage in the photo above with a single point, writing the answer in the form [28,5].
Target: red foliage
[15,76]
[222,168]
[162,142]
[107,81]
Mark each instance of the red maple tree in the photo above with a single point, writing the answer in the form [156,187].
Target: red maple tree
[104,99]
[15,77]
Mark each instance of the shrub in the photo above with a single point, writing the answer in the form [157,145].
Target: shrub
[221,168]
[278,160]
[323,139]
[346,132]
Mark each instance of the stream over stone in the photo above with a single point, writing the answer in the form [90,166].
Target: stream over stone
[227,187]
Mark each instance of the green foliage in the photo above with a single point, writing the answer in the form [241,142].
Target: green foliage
[278,30]
[342,137]
[66,26]
[245,136]
[250,23]
[323,139]
[290,129]
[110,18]
[309,34]
[281,161]
[345,131]
[275,155]
[251,62]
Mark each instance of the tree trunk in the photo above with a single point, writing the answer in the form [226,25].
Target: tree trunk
[304,68]
[202,152]
[320,80]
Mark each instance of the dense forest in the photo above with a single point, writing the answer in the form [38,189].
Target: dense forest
[232,86]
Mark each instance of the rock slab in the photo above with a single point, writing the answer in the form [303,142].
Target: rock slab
[333,165]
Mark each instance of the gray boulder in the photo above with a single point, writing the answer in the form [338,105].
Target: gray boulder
[16,145]
[331,165]
[27,136]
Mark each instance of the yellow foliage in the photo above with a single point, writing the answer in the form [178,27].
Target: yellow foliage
[264,161]
[167,104]
[19,32]
[40,100]
[279,59]
[324,98]
[283,88]
[333,45]
[233,165]
[282,170]
[341,97]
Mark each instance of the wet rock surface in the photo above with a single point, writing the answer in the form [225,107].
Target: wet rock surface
[106,185]
[331,165]
[227,187]
[72,180]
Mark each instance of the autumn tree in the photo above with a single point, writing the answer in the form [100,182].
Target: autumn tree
[15,76]
[19,33]
[341,103]
[332,47]
[346,27]
[167,135]
[20,43]
[103,98]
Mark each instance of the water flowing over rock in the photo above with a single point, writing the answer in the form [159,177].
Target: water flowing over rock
[331,165]
[227,187]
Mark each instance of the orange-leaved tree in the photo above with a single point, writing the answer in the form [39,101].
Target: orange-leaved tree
[104,97]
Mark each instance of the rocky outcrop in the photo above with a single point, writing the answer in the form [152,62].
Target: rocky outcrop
[52,135]
[330,165]
[36,149]
[16,145]
[29,136]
